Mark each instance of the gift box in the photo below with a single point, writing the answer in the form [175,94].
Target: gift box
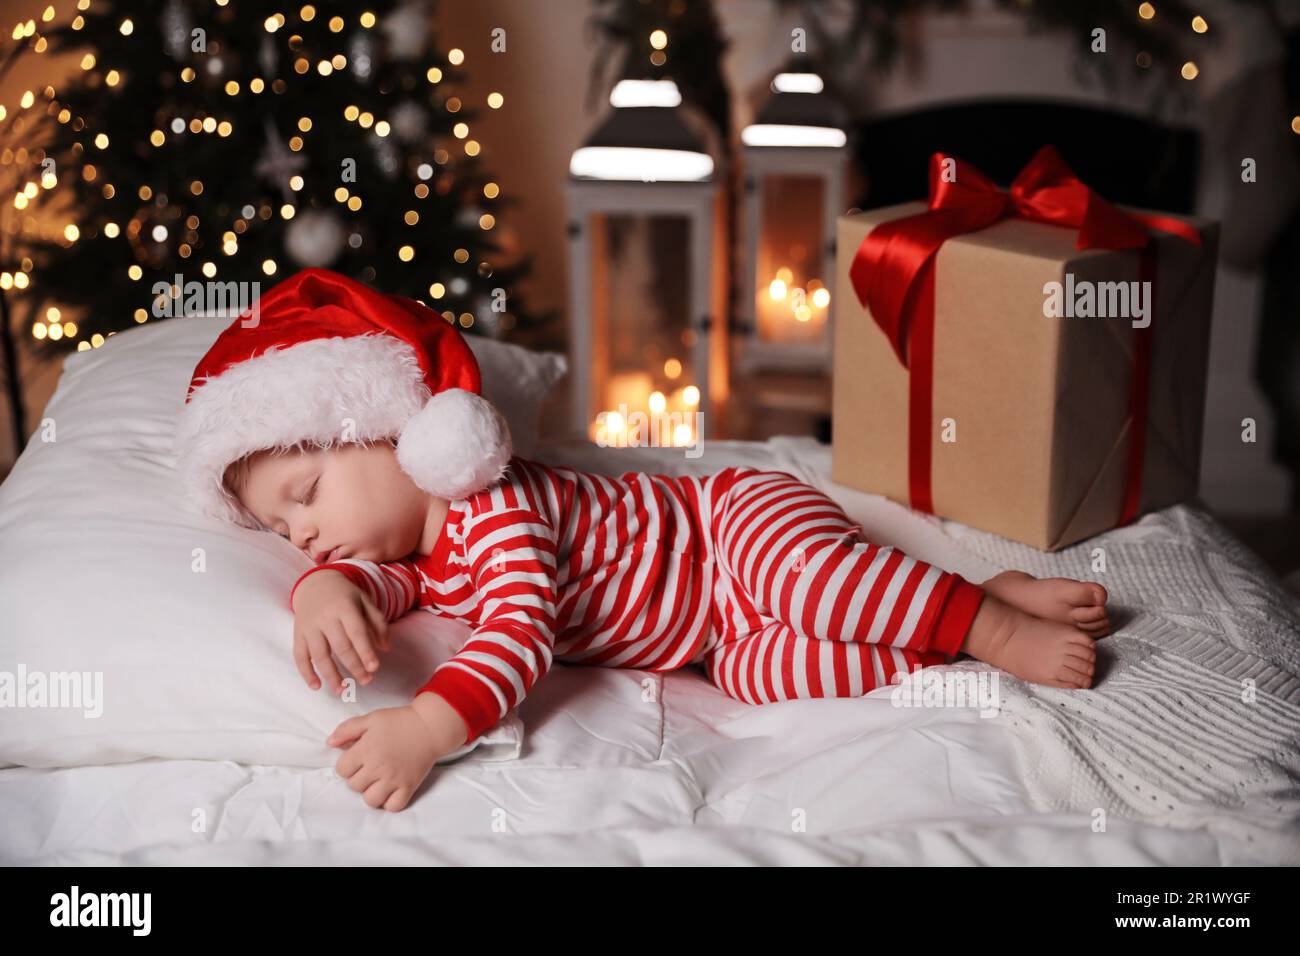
[995,362]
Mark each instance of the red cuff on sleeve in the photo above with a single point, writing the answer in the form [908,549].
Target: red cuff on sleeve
[467,695]
[953,620]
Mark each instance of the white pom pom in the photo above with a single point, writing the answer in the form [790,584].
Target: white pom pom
[456,445]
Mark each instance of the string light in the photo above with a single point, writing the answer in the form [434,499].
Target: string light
[161,233]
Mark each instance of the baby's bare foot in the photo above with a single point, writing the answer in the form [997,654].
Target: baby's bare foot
[1080,603]
[1033,649]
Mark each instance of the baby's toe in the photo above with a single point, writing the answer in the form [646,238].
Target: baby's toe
[1088,614]
[1099,594]
[1071,680]
[1077,671]
[1074,593]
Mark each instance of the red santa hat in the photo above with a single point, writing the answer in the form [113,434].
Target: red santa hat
[327,360]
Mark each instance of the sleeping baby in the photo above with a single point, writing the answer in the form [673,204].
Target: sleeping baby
[350,422]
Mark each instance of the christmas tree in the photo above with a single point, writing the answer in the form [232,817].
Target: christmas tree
[240,141]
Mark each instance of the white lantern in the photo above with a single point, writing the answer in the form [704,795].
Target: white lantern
[793,158]
[646,268]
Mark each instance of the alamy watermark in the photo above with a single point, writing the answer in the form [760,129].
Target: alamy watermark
[207,297]
[75,908]
[929,687]
[53,689]
[675,429]
[1103,300]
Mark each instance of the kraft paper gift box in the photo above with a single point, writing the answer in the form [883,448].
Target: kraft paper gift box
[1037,408]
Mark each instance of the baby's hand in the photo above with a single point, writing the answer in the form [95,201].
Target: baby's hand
[332,613]
[390,751]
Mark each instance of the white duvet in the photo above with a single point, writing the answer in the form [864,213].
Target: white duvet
[1186,751]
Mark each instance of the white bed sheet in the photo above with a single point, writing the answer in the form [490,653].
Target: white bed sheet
[624,766]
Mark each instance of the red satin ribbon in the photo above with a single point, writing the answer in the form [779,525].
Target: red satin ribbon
[893,276]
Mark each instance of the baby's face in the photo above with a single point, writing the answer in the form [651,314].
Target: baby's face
[354,498]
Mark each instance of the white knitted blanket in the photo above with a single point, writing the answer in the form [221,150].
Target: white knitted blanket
[1193,719]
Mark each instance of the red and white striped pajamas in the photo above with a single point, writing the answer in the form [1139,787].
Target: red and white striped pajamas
[755,575]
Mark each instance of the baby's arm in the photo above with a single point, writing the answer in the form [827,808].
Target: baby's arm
[344,612]
[512,558]
[393,587]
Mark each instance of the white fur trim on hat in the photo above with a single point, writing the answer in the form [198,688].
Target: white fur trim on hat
[456,445]
[325,391]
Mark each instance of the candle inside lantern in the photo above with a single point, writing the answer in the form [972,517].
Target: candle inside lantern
[791,305]
[636,412]
[784,306]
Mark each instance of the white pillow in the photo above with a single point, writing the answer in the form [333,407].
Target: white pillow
[103,569]
[517,381]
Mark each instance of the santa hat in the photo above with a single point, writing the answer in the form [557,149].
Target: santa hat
[327,360]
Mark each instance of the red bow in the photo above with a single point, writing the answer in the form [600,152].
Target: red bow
[893,276]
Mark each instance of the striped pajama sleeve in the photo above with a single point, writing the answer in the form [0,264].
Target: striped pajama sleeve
[392,587]
[512,560]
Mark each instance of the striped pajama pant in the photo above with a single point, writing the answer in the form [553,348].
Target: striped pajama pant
[804,607]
